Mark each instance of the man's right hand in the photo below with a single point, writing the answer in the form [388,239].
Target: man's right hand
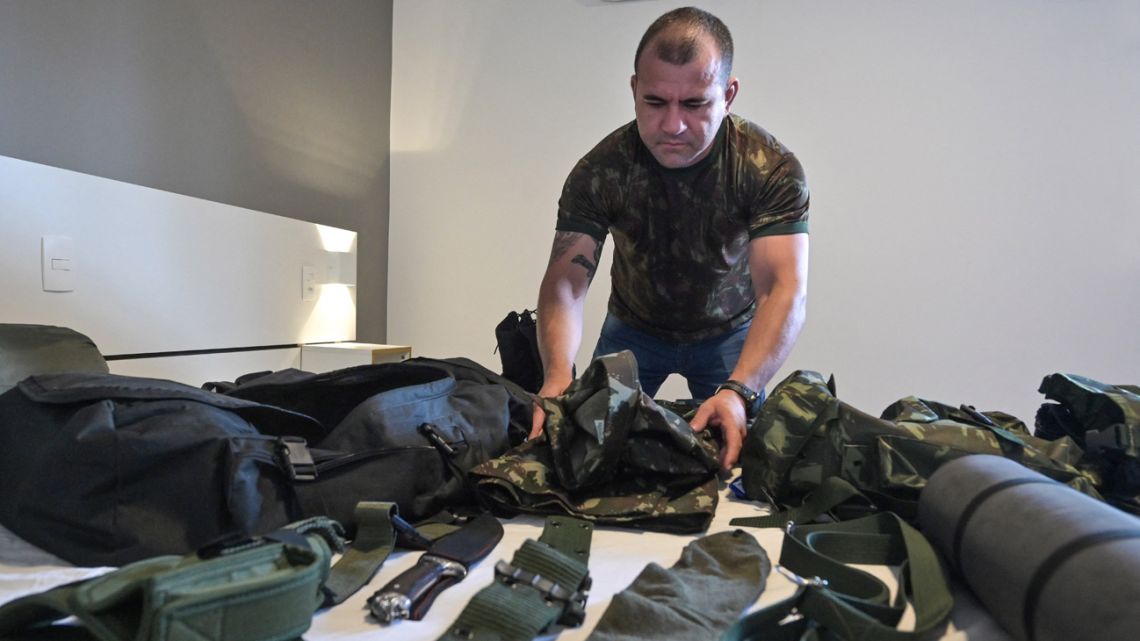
[548,391]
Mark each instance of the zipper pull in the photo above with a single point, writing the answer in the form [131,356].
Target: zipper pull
[428,430]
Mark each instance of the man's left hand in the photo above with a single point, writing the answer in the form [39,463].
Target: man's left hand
[724,411]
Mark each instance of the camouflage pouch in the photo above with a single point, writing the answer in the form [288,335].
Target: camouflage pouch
[609,454]
[805,436]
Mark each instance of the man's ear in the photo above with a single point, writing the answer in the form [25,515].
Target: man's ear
[633,85]
[730,91]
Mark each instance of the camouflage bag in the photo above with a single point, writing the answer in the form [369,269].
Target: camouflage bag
[609,454]
[1102,419]
[809,450]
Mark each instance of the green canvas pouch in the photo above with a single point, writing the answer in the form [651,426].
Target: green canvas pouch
[255,590]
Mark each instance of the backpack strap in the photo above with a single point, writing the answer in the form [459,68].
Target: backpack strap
[546,582]
[849,603]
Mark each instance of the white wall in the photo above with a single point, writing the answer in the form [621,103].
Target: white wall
[162,272]
[973,165]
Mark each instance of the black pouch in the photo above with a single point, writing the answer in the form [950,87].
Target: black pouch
[517,338]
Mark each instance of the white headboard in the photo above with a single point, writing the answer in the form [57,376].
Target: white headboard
[167,285]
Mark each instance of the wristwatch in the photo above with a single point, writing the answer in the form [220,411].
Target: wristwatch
[747,393]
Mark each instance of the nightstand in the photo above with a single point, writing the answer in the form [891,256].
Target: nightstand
[326,357]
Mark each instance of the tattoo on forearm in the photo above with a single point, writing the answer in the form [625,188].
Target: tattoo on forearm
[563,241]
[585,262]
[591,266]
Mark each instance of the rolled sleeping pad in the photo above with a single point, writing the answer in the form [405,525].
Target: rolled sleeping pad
[1048,562]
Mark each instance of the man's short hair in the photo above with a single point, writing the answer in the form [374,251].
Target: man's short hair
[684,27]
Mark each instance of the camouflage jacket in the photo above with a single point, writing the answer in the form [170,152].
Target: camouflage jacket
[609,454]
[680,268]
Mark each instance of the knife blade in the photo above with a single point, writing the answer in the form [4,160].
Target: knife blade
[445,563]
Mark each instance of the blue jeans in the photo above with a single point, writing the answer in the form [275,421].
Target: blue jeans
[704,364]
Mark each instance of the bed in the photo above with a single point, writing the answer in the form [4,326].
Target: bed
[617,555]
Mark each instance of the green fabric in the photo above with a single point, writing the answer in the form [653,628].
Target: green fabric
[374,541]
[681,237]
[849,603]
[805,435]
[611,455]
[1103,419]
[715,579]
[518,611]
[265,591]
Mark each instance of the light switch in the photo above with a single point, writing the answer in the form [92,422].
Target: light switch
[308,283]
[58,263]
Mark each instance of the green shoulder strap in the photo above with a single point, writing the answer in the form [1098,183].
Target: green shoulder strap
[547,581]
[830,494]
[846,602]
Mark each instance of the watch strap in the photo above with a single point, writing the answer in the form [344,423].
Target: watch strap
[747,393]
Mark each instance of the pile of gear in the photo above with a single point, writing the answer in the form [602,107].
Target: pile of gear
[223,503]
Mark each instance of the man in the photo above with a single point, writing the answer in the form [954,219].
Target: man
[709,218]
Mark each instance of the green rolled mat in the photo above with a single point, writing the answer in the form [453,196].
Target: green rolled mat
[1048,562]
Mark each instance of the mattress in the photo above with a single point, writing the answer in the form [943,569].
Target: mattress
[617,556]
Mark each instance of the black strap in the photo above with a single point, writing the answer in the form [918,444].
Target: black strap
[972,507]
[1050,566]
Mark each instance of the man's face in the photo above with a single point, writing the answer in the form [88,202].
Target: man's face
[679,108]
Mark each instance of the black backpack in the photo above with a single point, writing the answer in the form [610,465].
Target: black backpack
[101,469]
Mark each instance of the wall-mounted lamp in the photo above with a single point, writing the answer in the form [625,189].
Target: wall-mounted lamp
[340,268]
[340,257]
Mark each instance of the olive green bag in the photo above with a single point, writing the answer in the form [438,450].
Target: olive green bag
[264,589]
[810,451]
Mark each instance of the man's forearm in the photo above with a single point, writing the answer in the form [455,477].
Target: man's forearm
[559,332]
[775,328]
[561,298]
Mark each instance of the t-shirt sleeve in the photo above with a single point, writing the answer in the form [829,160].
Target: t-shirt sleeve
[781,204]
[582,207]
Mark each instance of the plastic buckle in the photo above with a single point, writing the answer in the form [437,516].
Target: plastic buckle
[573,601]
[295,455]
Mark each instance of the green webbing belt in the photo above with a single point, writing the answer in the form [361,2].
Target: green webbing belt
[829,494]
[545,582]
[840,602]
[374,541]
[260,590]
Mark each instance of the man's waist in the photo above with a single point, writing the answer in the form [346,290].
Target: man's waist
[663,324]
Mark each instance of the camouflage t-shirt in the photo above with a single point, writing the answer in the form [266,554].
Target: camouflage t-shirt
[680,267]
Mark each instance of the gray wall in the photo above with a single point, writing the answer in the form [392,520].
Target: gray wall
[279,106]
[973,167]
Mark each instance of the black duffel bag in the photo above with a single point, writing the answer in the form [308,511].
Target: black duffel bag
[100,469]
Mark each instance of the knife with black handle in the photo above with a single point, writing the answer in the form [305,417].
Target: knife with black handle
[409,595]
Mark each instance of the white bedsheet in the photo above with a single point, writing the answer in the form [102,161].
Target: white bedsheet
[616,557]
